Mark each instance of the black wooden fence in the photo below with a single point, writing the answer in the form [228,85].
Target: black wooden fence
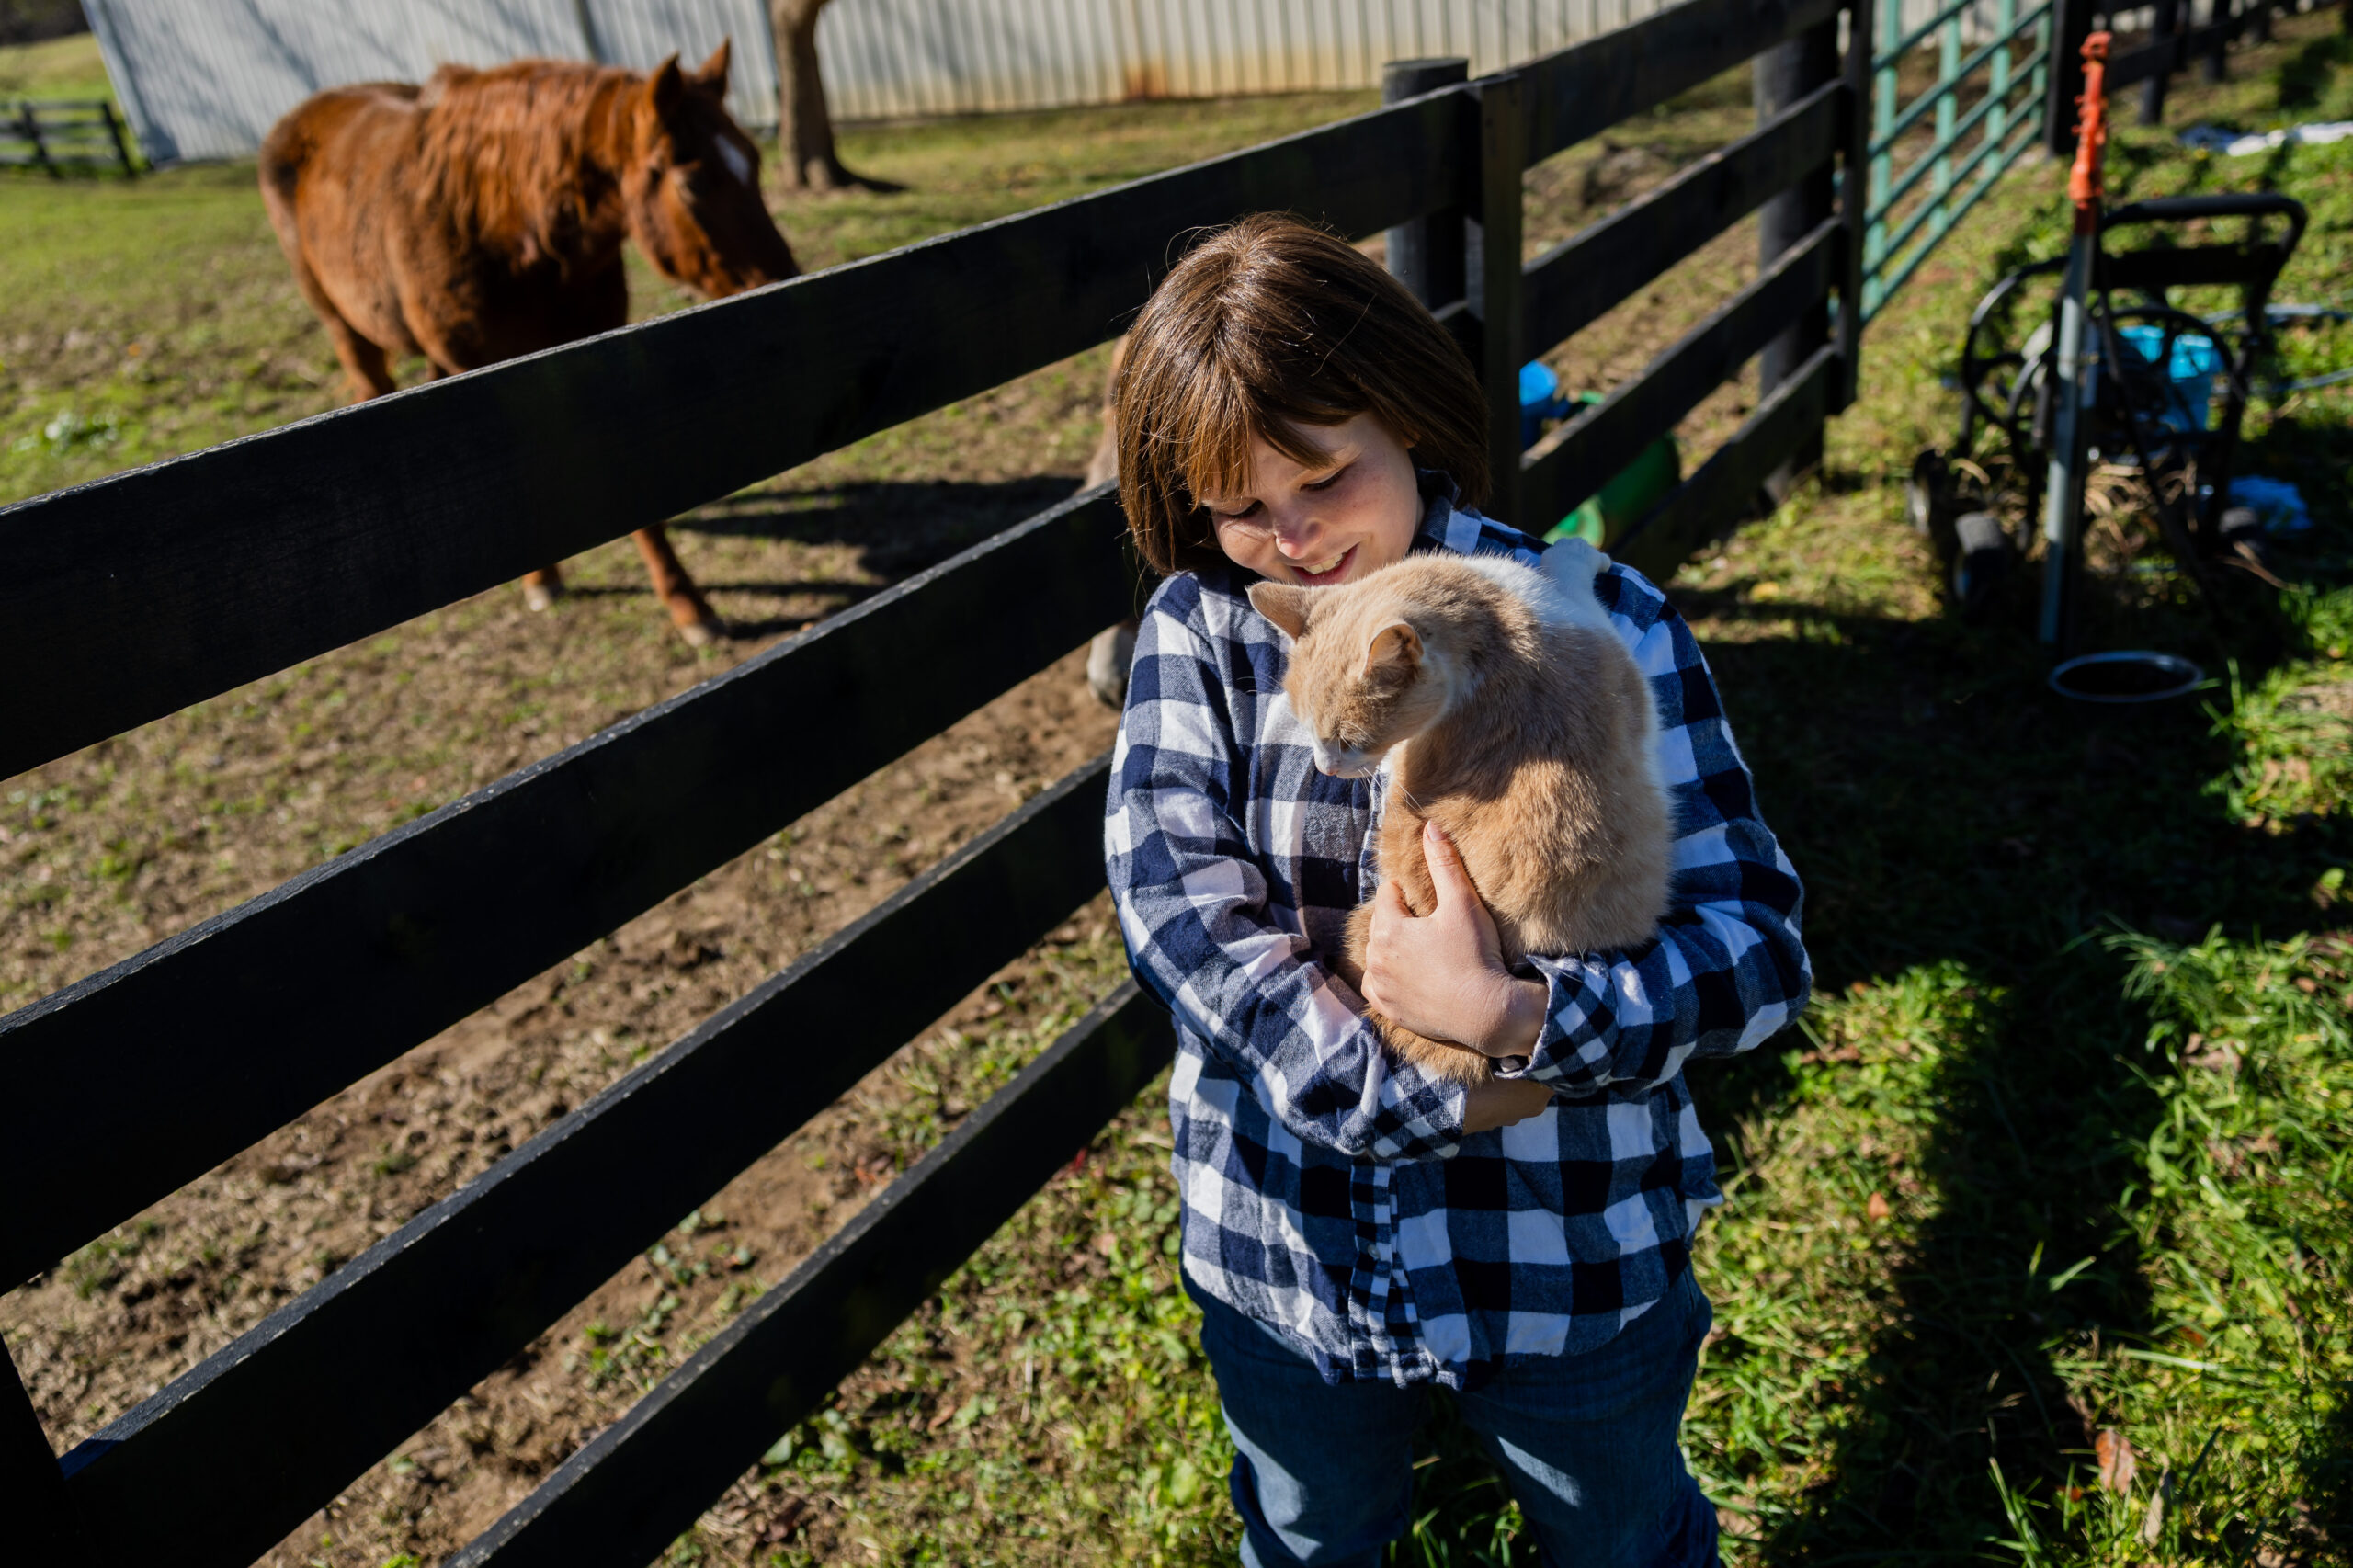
[138,595]
[62,134]
[2174,40]
[2173,43]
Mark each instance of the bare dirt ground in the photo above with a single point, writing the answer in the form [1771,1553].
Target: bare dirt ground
[105,852]
[130,840]
[115,1322]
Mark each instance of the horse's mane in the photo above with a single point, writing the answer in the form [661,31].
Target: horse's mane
[504,149]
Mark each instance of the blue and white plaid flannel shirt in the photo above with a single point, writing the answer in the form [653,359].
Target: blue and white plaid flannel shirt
[1329,1190]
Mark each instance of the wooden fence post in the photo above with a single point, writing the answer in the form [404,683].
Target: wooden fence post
[2215,65]
[2071,23]
[32,1489]
[1492,268]
[31,123]
[114,130]
[1854,198]
[1425,255]
[2165,25]
[1780,76]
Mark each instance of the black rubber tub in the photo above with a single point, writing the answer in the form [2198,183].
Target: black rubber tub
[2131,678]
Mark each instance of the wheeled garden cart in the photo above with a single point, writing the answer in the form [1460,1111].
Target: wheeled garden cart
[2157,391]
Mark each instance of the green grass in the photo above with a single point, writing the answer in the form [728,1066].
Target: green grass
[66,67]
[2062,1149]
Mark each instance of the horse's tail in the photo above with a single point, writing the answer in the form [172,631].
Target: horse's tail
[280,168]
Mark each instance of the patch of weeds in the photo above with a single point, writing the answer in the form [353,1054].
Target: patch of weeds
[98,1265]
[825,1438]
[635,1355]
[2237,1396]
[2291,731]
[69,432]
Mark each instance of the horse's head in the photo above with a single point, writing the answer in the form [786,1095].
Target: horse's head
[693,185]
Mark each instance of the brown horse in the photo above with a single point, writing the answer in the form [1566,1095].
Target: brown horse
[481,216]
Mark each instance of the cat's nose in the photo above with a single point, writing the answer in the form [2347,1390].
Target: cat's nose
[1348,764]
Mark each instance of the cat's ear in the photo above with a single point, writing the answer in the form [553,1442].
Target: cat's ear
[1285,603]
[1395,649]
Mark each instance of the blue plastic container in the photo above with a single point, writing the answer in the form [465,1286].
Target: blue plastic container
[1630,493]
[1540,399]
[2190,370]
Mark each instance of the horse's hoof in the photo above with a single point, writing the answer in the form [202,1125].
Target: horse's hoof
[1107,658]
[538,596]
[701,633]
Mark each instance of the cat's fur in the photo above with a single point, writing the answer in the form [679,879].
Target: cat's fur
[1507,712]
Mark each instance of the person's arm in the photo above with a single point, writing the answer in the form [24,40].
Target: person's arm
[1194,910]
[1726,969]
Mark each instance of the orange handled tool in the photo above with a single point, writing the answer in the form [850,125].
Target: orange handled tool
[2076,372]
[2091,135]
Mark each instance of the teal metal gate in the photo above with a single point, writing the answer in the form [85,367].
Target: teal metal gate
[1967,148]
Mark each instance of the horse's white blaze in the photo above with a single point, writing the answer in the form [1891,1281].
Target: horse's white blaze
[739,162]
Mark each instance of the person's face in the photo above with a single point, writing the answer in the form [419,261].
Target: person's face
[1351,512]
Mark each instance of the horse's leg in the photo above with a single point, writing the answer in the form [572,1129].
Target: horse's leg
[543,587]
[1113,650]
[364,366]
[1109,658]
[688,613]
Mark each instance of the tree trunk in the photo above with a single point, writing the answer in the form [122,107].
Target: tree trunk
[804,126]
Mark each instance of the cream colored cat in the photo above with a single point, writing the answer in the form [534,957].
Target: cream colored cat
[1508,712]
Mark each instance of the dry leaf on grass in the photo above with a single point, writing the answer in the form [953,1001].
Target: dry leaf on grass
[2117,1464]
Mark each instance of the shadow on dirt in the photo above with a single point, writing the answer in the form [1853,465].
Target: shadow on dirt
[899,527]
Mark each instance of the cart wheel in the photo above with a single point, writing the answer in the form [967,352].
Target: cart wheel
[1981,565]
[1930,502]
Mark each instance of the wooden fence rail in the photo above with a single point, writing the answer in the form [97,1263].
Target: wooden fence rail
[218,568]
[2173,44]
[56,135]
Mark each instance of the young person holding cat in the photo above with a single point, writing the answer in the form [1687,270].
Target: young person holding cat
[1356,1229]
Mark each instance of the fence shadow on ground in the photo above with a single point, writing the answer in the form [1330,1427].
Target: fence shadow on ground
[1945,805]
[897,526]
[902,525]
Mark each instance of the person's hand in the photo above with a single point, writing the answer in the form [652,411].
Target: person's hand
[1499,1102]
[1443,976]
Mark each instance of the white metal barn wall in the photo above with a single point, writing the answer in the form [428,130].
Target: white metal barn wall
[887,58]
[207,78]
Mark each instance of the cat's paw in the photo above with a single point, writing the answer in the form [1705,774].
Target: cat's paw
[1570,567]
[1575,564]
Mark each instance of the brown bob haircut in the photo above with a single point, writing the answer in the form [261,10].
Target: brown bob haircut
[1270,324]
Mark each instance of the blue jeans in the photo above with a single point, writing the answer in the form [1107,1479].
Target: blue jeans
[1324,1478]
